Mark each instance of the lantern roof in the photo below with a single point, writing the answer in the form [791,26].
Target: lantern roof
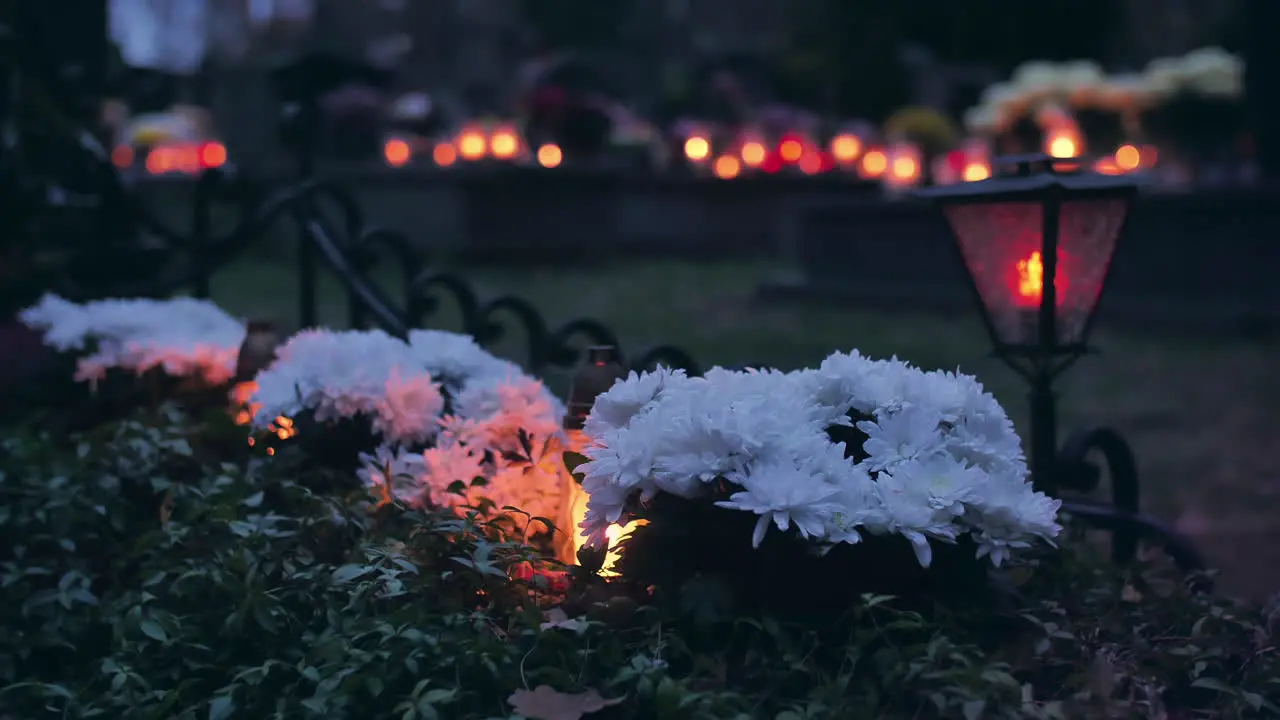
[1031,175]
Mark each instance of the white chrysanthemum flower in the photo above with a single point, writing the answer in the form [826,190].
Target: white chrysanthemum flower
[447,464]
[628,397]
[348,374]
[895,438]
[783,492]
[411,407]
[184,337]
[454,359]
[474,435]
[500,406]
[938,456]
[620,463]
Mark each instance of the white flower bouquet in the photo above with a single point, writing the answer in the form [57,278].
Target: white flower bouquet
[765,477]
[1201,103]
[182,337]
[120,348]
[436,421]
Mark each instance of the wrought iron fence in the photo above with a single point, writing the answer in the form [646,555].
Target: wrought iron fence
[350,248]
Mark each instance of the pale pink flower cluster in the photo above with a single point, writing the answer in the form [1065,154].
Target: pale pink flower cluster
[480,450]
[347,374]
[445,411]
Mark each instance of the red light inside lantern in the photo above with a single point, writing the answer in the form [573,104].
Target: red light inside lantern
[1029,286]
[1002,248]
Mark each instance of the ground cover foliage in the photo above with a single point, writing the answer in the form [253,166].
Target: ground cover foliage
[154,567]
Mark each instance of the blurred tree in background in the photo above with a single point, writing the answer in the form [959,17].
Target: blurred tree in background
[846,56]
[583,25]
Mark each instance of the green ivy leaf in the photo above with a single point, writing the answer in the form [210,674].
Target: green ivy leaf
[152,629]
[1209,683]
[221,707]
[347,573]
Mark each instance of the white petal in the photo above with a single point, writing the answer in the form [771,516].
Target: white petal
[762,525]
[920,544]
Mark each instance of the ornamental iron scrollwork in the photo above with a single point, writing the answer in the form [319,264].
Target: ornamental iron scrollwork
[352,252]
[490,328]
[563,352]
[1122,516]
[365,255]
[426,295]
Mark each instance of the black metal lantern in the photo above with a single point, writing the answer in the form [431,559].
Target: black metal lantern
[1037,240]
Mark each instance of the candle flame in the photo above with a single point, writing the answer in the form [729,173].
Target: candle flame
[577,512]
[282,427]
[613,533]
[1031,277]
[1029,288]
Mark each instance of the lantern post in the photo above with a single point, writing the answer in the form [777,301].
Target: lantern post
[600,369]
[1036,239]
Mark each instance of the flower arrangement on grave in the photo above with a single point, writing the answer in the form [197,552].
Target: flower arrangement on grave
[433,422]
[1190,104]
[931,131]
[811,487]
[1200,108]
[128,352]
[1042,100]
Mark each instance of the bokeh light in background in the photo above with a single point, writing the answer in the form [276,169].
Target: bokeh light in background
[874,163]
[846,148]
[1128,158]
[550,156]
[444,154]
[697,148]
[503,144]
[472,145]
[790,150]
[753,154]
[727,167]
[397,153]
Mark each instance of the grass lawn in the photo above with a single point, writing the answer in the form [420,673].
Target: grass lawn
[1199,412]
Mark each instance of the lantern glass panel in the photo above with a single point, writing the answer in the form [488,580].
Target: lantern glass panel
[993,239]
[1087,233]
[1002,247]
